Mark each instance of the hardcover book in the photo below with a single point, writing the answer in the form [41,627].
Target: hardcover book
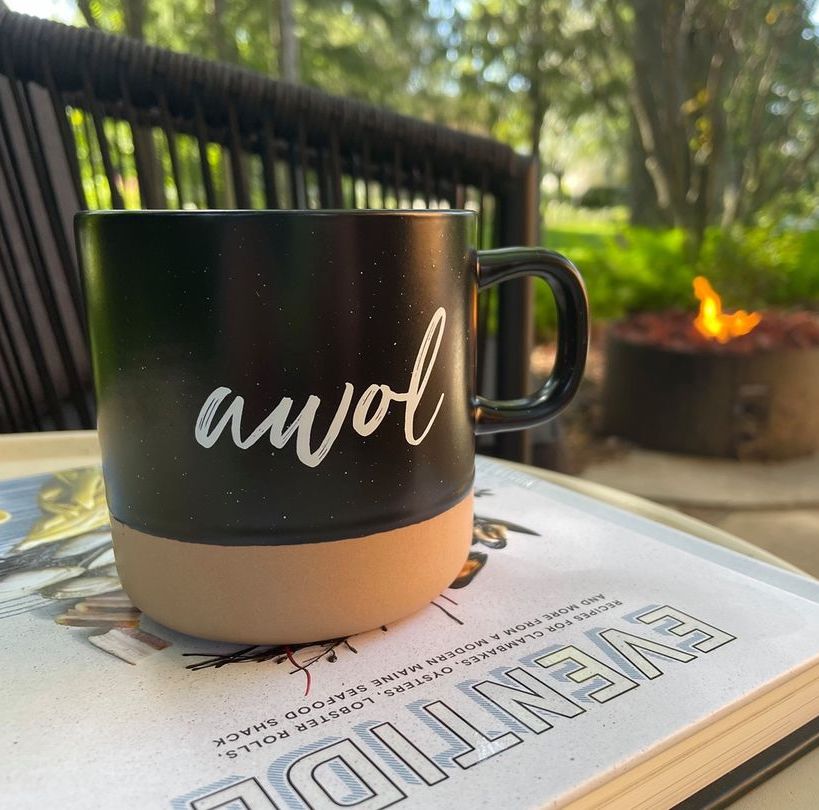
[583,657]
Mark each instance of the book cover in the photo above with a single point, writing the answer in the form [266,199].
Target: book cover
[577,642]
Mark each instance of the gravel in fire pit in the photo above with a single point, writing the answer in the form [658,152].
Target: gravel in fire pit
[675,330]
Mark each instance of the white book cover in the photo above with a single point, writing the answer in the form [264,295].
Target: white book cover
[578,641]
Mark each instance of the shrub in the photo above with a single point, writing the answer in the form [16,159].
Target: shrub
[629,269]
[603,197]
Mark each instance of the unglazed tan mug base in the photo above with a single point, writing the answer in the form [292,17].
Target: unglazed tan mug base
[296,593]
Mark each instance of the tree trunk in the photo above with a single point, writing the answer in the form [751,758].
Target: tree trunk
[643,205]
[538,103]
[88,15]
[273,37]
[223,41]
[288,43]
[655,103]
[133,12]
[680,59]
[561,192]
[537,93]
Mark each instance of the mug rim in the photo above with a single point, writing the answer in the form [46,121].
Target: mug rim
[231,213]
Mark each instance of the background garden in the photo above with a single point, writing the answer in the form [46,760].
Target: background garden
[676,137]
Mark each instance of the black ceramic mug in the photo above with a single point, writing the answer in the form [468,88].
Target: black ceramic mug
[287,408]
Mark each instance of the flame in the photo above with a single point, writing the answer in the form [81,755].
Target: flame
[715,324]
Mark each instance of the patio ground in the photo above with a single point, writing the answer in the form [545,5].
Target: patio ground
[774,505]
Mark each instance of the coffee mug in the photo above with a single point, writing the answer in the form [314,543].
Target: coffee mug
[287,408]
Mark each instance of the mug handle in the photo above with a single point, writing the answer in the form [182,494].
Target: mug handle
[505,264]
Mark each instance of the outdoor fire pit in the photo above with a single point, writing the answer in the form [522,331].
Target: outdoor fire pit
[740,385]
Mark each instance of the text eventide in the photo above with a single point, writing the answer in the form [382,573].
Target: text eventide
[382,763]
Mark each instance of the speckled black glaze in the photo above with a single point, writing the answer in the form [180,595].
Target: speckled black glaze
[272,305]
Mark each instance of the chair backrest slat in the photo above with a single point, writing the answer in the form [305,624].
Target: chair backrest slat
[148,172]
[323,178]
[31,134]
[102,143]
[269,157]
[170,143]
[204,163]
[32,253]
[336,171]
[21,399]
[236,159]
[67,142]
[28,347]
[365,169]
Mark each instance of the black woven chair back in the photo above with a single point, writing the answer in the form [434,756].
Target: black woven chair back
[90,120]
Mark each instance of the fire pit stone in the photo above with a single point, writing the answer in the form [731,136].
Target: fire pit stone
[756,396]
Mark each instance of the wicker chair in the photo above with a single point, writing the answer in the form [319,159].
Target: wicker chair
[90,120]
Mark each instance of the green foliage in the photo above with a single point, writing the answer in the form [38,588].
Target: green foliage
[626,269]
[603,196]
[765,266]
[630,269]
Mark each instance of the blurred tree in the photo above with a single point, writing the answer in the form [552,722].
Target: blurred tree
[715,101]
[288,43]
[507,64]
[367,49]
[773,106]
[723,99]
[533,73]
